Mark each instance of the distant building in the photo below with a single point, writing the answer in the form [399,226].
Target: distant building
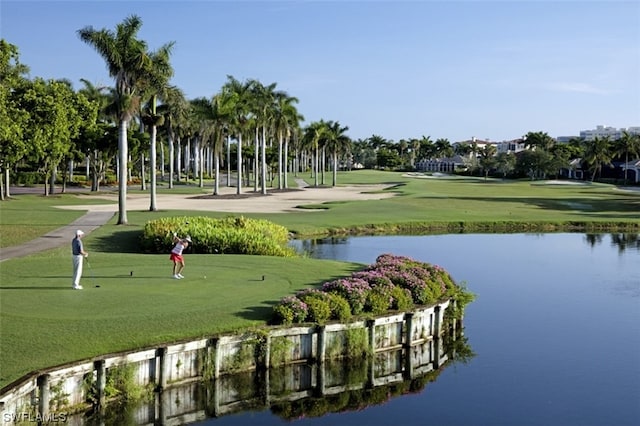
[606,131]
[566,139]
[512,146]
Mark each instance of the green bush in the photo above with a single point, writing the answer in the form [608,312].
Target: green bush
[393,282]
[340,309]
[290,310]
[318,305]
[378,301]
[233,235]
[402,299]
[28,178]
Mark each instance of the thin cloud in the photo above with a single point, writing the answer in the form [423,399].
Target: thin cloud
[577,87]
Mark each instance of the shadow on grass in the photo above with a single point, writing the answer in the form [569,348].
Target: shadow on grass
[120,241]
[609,206]
[258,313]
[36,288]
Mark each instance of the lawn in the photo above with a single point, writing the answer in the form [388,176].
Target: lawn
[137,304]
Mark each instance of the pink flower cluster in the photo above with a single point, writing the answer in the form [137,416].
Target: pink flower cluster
[376,283]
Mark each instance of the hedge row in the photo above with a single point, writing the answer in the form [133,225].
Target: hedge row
[231,235]
[392,283]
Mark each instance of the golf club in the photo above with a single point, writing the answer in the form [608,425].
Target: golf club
[93,277]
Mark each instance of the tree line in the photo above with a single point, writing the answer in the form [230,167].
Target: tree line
[251,129]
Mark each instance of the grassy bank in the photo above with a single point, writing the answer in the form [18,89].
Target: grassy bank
[44,323]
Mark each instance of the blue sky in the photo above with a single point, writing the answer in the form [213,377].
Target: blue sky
[445,69]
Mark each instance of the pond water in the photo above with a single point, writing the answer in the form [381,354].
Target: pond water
[555,329]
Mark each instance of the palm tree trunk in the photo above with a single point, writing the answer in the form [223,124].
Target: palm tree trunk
[255,162]
[335,167]
[142,176]
[285,160]
[152,169]
[263,160]
[239,156]
[122,178]
[171,160]
[228,160]
[280,186]
[179,160]
[201,164]
[216,164]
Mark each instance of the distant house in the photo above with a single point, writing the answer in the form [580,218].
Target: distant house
[633,170]
[443,165]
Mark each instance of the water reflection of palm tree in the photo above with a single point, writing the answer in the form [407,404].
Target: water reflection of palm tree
[624,241]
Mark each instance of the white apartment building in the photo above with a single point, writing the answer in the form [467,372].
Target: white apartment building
[604,131]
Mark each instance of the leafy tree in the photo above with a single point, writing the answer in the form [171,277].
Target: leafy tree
[535,164]
[487,159]
[56,116]
[13,117]
[387,158]
[505,163]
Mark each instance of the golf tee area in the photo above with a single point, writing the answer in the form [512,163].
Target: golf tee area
[131,301]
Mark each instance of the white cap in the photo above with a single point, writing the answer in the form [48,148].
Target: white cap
[79,233]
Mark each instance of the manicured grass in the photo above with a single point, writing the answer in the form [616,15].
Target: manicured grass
[25,217]
[45,323]
[466,200]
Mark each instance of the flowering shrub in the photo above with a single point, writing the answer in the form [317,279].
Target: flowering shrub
[353,290]
[290,310]
[318,305]
[393,282]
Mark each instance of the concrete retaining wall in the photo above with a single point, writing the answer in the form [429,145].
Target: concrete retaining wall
[402,344]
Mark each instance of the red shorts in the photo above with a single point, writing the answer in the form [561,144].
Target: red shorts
[176,257]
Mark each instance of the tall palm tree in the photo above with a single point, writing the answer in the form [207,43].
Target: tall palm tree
[264,99]
[156,84]
[313,135]
[628,144]
[285,119]
[235,103]
[337,141]
[597,152]
[175,108]
[128,63]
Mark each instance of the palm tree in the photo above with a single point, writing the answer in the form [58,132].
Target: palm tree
[235,102]
[175,108]
[156,84]
[129,63]
[628,144]
[285,119]
[220,133]
[336,141]
[596,153]
[539,140]
[312,138]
